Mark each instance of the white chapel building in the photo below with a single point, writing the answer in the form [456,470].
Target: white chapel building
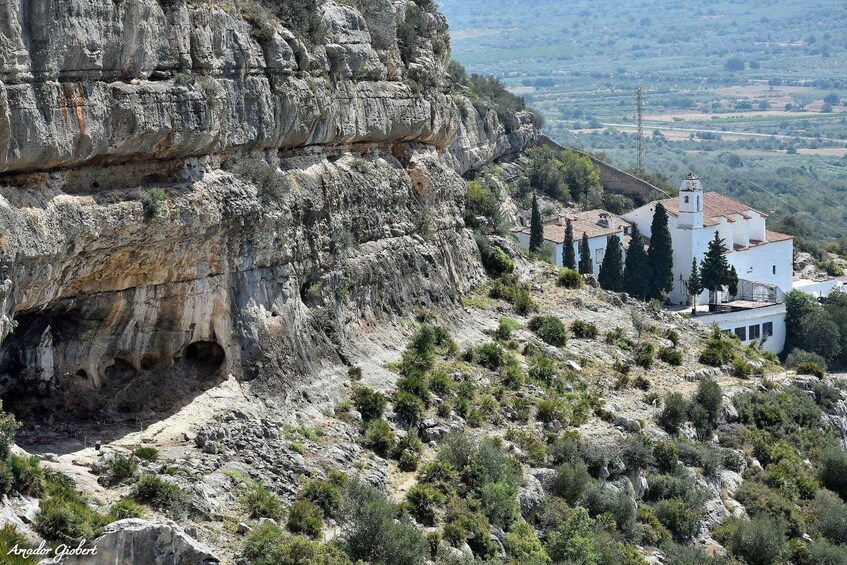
[762,258]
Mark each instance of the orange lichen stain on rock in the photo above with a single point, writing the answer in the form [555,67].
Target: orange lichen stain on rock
[72,96]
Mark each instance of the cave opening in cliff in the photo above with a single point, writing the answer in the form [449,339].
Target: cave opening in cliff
[205,355]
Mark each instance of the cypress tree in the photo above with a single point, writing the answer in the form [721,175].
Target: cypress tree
[568,253]
[714,270]
[611,270]
[732,281]
[636,269]
[536,230]
[586,266]
[695,286]
[660,255]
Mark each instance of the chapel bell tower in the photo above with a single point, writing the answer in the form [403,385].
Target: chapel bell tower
[691,203]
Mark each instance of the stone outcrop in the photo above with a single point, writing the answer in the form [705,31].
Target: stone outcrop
[193,186]
[142,543]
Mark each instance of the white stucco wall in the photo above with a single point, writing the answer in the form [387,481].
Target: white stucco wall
[746,318]
[595,244]
[755,264]
[819,289]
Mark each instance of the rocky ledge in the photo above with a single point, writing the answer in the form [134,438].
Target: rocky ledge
[193,190]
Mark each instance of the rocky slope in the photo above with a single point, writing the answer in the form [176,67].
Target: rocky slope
[192,188]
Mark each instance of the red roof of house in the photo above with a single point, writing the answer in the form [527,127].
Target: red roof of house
[715,205]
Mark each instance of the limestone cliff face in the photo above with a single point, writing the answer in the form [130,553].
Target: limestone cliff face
[192,184]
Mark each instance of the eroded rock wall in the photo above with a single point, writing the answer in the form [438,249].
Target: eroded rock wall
[192,188]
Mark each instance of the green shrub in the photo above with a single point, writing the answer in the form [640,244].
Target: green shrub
[569,278]
[489,355]
[373,529]
[833,471]
[421,501]
[761,500]
[584,330]
[667,456]
[497,263]
[644,354]
[354,373]
[824,553]
[678,517]
[523,546]
[760,541]
[674,413]
[671,356]
[681,555]
[408,451]
[533,445]
[637,454]
[325,494]
[499,503]
[508,288]
[27,475]
[642,383]
[830,516]
[370,403]
[379,437]
[6,478]
[120,468]
[799,356]
[440,475]
[160,494]
[718,351]
[550,329]
[305,518]
[570,481]
[505,327]
[599,500]
[416,385]
[441,383]
[408,408]
[260,502]
[8,427]
[10,538]
[146,453]
[66,521]
[125,508]
[553,409]
[779,412]
[462,517]
[710,396]
[809,368]
[667,487]
[542,368]
[153,203]
[268,544]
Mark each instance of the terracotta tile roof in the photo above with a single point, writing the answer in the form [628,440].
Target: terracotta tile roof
[587,222]
[715,205]
[772,236]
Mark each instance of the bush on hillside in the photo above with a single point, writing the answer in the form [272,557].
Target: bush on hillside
[550,329]
[570,278]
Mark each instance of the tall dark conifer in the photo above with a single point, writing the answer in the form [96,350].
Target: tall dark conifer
[586,266]
[636,269]
[694,284]
[714,270]
[611,270]
[660,255]
[568,251]
[536,230]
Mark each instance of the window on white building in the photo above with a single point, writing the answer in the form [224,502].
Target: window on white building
[755,331]
[686,200]
[767,329]
[774,269]
[741,333]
